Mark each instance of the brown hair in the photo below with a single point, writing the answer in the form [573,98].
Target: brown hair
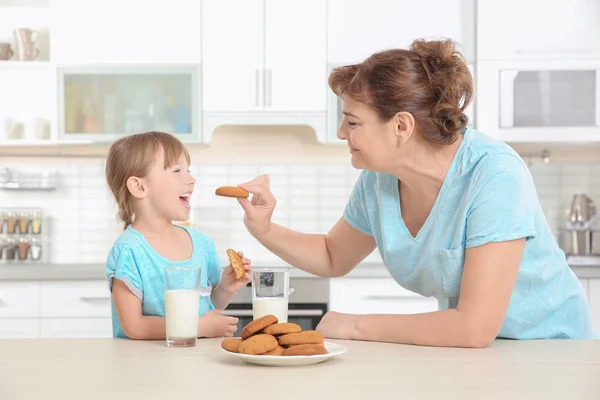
[133,156]
[430,80]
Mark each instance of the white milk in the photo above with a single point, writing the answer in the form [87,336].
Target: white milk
[181,313]
[278,306]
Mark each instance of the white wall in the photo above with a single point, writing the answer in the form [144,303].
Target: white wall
[312,183]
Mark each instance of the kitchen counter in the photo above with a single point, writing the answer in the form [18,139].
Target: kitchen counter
[124,369]
[583,269]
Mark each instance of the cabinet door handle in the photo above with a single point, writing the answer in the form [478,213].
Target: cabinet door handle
[390,297]
[598,97]
[269,87]
[95,300]
[256,87]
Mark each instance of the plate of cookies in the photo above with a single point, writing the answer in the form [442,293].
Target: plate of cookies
[266,341]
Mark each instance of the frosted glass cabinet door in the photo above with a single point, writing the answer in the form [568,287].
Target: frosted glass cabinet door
[102,104]
[549,98]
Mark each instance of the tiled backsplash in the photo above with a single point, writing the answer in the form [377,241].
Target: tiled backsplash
[311,198]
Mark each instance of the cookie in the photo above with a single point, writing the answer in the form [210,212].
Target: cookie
[257,325]
[278,351]
[305,337]
[232,191]
[282,328]
[236,263]
[305,350]
[258,344]
[231,344]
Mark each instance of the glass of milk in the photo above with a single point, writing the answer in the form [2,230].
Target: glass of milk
[270,292]
[182,302]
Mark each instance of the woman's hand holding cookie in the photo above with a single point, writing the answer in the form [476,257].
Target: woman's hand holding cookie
[258,210]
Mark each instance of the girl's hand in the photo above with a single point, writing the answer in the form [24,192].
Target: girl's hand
[228,281]
[258,210]
[214,324]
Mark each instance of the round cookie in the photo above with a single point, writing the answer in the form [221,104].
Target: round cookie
[231,344]
[257,325]
[232,191]
[277,352]
[305,337]
[305,350]
[236,264]
[282,328]
[258,344]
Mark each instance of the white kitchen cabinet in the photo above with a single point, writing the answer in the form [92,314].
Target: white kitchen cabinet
[102,103]
[594,296]
[25,328]
[538,29]
[131,31]
[54,328]
[274,59]
[376,296]
[233,55]
[75,299]
[585,284]
[295,55]
[356,29]
[19,299]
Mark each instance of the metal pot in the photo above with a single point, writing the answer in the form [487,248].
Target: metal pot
[582,242]
[576,242]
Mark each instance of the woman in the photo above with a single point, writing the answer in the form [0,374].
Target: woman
[453,213]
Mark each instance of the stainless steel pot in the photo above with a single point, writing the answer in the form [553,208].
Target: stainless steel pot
[583,242]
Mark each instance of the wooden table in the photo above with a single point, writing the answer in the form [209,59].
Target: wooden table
[86,369]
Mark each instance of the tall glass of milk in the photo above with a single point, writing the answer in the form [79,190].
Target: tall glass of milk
[270,292]
[182,302]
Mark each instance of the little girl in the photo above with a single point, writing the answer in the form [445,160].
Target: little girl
[148,174]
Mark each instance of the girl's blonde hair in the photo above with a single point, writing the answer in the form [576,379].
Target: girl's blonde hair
[133,156]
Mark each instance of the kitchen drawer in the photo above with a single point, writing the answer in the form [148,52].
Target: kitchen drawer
[25,328]
[376,296]
[73,328]
[75,299]
[19,299]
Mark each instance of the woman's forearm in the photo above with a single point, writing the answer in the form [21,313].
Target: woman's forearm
[304,251]
[446,328]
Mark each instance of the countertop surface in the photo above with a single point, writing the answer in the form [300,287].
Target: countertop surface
[583,268]
[124,369]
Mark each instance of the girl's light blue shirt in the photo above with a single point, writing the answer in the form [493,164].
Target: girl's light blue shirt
[487,196]
[133,261]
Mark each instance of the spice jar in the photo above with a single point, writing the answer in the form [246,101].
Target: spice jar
[24,222]
[36,248]
[23,248]
[36,222]
[2,218]
[10,248]
[11,222]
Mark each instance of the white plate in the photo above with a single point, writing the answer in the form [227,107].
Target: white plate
[334,349]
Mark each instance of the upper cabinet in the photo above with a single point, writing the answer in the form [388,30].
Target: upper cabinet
[270,56]
[357,29]
[266,65]
[101,103]
[131,31]
[512,29]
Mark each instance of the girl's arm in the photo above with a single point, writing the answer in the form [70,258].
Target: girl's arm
[129,309]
